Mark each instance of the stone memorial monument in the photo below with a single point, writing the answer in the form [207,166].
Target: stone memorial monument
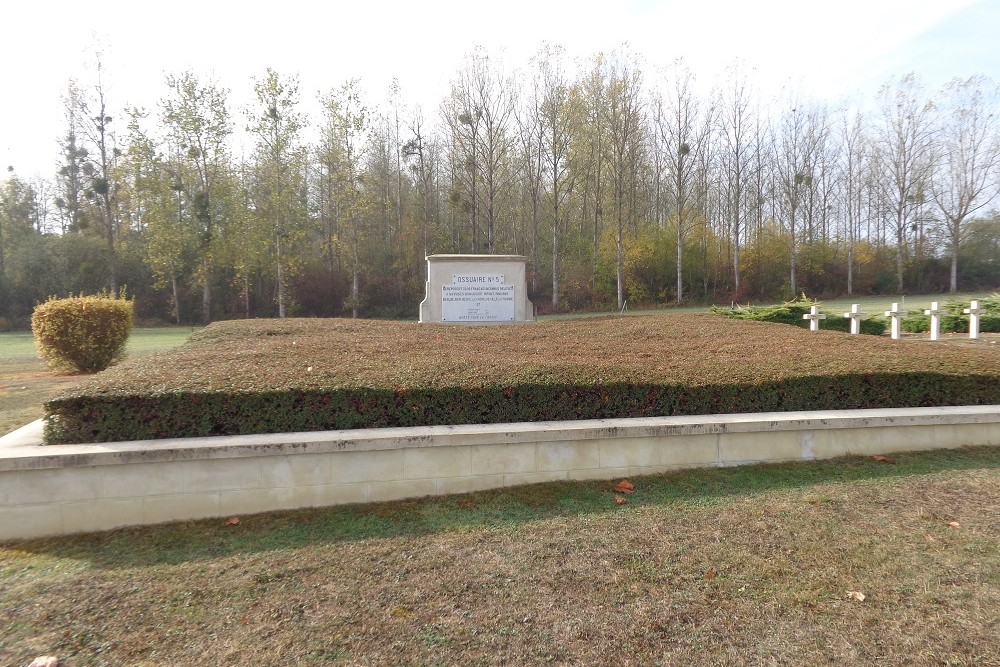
[476,289]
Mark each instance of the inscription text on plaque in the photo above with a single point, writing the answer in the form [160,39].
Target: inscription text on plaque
[477,298]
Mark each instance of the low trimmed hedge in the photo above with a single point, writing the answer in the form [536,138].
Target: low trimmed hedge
[270,376]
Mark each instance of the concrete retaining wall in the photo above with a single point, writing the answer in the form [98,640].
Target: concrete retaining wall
[63,489]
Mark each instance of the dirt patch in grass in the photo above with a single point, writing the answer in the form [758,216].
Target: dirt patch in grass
[706,567]
[24,389]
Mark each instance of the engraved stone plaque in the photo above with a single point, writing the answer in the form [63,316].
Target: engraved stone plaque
[477,298]
[476,289]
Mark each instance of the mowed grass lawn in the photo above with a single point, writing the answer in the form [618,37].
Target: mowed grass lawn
[736,566]
[26,382]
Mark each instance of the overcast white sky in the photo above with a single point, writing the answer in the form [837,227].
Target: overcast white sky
[832,49]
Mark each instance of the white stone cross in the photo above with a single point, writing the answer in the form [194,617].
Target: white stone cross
[855,316]
[974,312]
[897,316]
[935,314]
[814,316]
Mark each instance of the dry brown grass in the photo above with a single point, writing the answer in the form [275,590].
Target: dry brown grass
[279,376]
[23,390]
[716,567]
[693,349]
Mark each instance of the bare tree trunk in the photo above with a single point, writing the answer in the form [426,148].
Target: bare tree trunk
[680,258]
[177,302]
[955,236]
[534,236]
[281,282]
[736,261]
[620,269]
[794,256]
[899,250]
[850,269]
[555,264]
[355,289]
[206,294]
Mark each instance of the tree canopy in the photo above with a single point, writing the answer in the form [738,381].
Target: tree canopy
[623,181]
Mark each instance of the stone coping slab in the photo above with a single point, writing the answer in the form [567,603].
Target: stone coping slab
[23,448]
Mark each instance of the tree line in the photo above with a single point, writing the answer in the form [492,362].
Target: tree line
[621,182]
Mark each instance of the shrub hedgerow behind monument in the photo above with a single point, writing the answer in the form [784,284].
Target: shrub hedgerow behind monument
[791,312]
[82,333]
[955,320]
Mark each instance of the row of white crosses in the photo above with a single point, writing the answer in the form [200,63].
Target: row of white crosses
[897,315]
[935,312]
[974,311]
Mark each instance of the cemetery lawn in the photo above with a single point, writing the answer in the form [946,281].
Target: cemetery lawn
[274,376]
[729,566]
[26,382]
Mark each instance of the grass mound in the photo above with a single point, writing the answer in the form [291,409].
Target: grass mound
[270,376]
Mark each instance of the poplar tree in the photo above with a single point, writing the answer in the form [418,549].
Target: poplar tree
[196,116]
[98,166]
[967,175]
[557,127]
[344,142]
[279,174]
[625,126]
[678,127]
[905,143]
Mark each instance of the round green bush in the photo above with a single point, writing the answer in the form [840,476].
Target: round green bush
[83,333]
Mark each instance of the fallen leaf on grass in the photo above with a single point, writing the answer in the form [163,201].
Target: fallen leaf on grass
[954,524]
[624,486]
[45,661]
[884,459]
[233,521]
[710,574]
[621,500]
[856,595]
